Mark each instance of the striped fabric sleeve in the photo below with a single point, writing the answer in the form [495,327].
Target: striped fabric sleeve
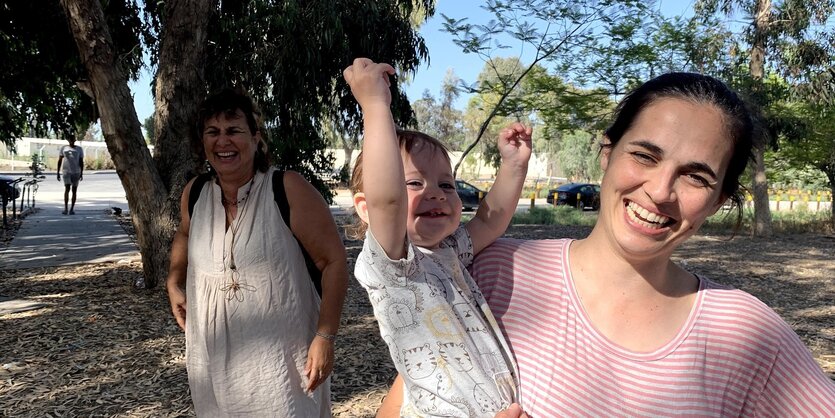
[796,387]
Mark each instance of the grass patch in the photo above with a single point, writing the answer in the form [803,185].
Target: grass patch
[558,215]
[798,220]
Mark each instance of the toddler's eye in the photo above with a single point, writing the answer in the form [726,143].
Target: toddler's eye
[448,186]
[414,184]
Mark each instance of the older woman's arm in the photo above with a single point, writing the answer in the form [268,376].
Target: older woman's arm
[312,223]
[175,283]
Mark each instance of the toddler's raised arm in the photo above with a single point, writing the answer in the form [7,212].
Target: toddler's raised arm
[497,208]
[382,204]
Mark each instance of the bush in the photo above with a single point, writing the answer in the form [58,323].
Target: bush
[799,220]
[558,215]
[102,162]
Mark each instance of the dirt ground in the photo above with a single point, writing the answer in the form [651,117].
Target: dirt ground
[104,349]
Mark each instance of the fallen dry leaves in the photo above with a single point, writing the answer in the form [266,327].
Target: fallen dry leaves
[101,348]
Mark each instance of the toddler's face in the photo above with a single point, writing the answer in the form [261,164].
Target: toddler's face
[434,206]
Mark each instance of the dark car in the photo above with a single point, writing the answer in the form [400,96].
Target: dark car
[567,194]
[470,195]
[8,191]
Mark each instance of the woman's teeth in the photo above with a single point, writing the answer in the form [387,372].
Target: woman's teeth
[644,217]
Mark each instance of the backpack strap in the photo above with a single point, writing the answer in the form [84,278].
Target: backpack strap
[280,196]
[196,188]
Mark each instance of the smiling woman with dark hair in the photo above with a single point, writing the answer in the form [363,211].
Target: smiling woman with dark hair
[259,340]
[609,325]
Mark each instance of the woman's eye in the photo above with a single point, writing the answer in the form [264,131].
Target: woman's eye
[643,158]
[697,180]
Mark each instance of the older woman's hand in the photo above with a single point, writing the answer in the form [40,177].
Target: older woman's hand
[319,362]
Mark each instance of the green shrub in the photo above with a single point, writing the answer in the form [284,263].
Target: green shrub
[558,215]
[101,162]
[798,220]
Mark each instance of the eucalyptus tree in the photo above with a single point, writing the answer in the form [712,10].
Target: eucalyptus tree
[549,33]
[791,38]
[439,117]
[808,139]
[288,55]
[578,157]
[42,90]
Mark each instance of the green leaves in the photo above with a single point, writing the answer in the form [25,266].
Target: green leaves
[290,55]
[39,93]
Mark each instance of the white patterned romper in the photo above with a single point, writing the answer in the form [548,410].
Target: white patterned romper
[440,333]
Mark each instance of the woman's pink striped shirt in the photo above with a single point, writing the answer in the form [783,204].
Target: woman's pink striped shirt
[733,357]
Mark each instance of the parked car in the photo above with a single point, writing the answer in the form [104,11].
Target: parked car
[470,195]
[8,191]
[567,194]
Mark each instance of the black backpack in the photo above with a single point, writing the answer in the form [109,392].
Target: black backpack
[281,200]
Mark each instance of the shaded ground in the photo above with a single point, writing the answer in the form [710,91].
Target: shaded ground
[103,349]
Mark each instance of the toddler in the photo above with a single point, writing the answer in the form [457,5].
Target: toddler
[440,333]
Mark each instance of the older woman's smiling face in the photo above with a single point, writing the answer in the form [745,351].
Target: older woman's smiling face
[664,177]
[229,144]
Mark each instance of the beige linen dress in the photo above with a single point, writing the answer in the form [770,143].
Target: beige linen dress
[246,348]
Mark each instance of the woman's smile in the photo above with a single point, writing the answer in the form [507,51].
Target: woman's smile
[646,218]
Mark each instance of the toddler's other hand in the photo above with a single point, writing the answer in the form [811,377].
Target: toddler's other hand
[515,144]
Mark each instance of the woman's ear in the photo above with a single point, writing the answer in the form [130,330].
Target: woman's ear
[361,206]
[259,141]
[719,203]
[605,152]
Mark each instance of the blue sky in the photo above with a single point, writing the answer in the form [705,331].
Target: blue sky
[443,52]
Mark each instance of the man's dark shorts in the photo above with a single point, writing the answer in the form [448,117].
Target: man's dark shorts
[71,179]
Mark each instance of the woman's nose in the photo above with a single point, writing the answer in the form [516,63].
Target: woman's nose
[660,186]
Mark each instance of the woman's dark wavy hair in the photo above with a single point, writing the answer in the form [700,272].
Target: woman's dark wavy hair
[700,89]
[228,101]
[408,140]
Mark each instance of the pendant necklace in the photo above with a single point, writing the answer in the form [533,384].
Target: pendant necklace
[235,286]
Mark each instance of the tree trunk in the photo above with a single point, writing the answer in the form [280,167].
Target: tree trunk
[180,86]
[762,212]
[122,133]
[829,169]
[345,171]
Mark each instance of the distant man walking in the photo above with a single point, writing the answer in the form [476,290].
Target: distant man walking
[73,170]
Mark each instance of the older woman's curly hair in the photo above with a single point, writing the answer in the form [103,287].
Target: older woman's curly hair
[228,101]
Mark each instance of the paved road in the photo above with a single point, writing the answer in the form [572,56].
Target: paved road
[98,190]
[48,238]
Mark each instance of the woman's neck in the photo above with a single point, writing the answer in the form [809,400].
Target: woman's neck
[597,259]
[639,305]
[232,184]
